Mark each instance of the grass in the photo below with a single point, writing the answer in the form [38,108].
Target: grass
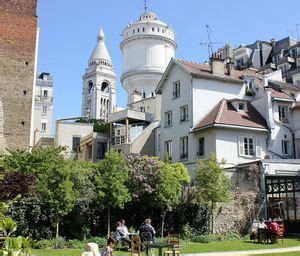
[236,245]
[282,253]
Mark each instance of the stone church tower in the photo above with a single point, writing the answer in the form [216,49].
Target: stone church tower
[99,89]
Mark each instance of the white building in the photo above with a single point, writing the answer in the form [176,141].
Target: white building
[147,47]
[43,106]
[99,88]
[238,116]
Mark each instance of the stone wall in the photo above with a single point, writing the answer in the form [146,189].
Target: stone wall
[2,139]
[18,30]
[238,214]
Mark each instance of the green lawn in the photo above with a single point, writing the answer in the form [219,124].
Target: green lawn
[196,247]
[279,254]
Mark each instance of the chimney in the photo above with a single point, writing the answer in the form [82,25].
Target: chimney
[217,64]
[230,67]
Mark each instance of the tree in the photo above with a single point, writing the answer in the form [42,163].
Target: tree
[169,187]
[59,181]
[212,184]
[111,183]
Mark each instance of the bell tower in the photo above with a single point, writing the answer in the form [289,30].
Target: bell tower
[99,89]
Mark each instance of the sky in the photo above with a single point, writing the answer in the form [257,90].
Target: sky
[68,30]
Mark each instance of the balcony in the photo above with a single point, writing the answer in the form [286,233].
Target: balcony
[43,99]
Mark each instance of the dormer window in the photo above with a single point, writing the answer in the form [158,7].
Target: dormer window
[241,107]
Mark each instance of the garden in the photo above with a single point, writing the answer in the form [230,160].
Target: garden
[51,205]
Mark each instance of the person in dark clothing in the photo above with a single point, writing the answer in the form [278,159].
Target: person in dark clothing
[147,232]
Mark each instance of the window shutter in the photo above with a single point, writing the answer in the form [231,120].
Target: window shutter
[258,149]
[241,146]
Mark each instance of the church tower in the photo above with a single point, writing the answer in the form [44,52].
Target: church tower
[99,89]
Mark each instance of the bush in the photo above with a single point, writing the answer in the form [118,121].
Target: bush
[205,239]
[76,244]
[57,243]
[187,232]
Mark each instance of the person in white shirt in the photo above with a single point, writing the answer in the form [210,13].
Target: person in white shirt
[262,223]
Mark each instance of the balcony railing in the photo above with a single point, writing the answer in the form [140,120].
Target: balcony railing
[43,98]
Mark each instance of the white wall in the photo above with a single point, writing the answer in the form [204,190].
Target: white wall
[178,129]
[207,93]
[66,130]
[227,145]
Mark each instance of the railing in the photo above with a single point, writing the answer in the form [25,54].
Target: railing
[184,156]
[43,98]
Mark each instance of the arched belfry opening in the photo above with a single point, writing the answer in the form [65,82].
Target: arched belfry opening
[105,87]
[90,86]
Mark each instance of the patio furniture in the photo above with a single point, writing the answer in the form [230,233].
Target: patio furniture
[135,245]
[160,247]
[174,242]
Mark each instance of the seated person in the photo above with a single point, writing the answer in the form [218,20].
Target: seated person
[262,223]
[121,236]
[109,248]
[124,228]
[253,230]
[91,249]
[147,232]
[274,227]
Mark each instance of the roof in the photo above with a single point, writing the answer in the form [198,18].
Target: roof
[202,70]
[205,70]
[280,95]
[225,114]
[100,51]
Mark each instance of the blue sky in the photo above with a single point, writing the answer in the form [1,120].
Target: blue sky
[68,30]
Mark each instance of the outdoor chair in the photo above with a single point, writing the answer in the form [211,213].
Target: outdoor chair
[173,239]
[146,238]
[135,245]
[280,233]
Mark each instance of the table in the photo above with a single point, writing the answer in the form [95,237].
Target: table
[266,235]
[160,247]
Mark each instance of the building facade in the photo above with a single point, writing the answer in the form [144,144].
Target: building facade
[239,116]
[18,50]
[43,106]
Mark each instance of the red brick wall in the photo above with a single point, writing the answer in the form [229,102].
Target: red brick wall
[18,27]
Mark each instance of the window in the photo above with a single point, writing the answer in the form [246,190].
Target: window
[90,87]
[184,148]
[118,132]
[285,147]
[44,110]
[138,30]
[152,29]
[184,113]
[168,149]
[75,143]
[44,127]
[168,118]
[283,114]
[45,93]
[201,147]
[240,62]
[246,146]
[241,106]
[144,95]
[176,90]
[158,142]
[143,29]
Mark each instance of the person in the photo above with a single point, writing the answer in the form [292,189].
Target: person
[274,227]
[121,235]
[262,224]
[109,248]
[91,249]
[147,232]
[253,230]
[124,228]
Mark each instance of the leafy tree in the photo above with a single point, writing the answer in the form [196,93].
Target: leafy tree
[172,177]
[59,181]
[212,184]
[143,172]
[111,183]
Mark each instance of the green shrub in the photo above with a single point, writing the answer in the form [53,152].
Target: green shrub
[76,244]
[202,239]
[187,232]
[60,243]
[43,244]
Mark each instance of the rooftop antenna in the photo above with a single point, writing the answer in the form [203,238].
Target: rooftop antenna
[209,44]
[145,5]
